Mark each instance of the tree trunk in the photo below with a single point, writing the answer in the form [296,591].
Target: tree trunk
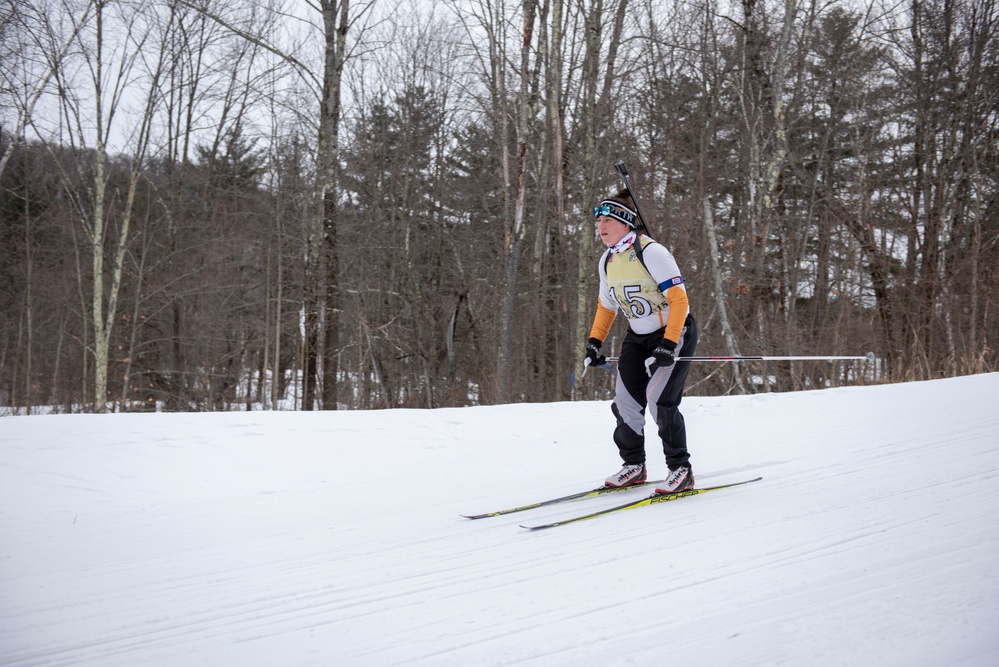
[515,235]
[718,283]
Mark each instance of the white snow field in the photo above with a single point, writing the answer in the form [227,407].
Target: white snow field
[334,538]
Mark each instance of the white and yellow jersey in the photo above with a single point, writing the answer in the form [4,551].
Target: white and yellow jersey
[652,296]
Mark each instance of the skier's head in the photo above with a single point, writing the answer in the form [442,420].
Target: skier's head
[616,217]
[621,207]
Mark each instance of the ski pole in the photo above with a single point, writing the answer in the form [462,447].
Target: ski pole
[606,366]
[740,357]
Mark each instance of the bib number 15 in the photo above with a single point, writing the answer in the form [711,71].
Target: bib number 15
[636,304]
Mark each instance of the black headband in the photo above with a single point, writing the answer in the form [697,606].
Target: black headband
[618,211]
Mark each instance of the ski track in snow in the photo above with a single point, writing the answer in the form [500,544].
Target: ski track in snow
[318,539]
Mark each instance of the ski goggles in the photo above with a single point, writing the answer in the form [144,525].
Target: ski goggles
[616,210]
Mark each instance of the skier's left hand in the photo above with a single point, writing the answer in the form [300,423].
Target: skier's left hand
[664,355]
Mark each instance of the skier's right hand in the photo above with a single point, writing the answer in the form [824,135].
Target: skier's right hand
[593,356]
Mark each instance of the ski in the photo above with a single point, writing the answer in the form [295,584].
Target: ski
[592,493]
[648,500]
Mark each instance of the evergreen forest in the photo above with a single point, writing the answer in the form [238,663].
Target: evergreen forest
[342,204]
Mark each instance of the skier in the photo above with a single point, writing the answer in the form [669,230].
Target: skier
[642,279]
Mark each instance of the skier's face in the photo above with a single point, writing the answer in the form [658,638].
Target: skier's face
[611,231]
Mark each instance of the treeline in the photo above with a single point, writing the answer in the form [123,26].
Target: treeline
[205,206]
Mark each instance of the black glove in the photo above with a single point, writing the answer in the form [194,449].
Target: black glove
[665,353]
[593,352]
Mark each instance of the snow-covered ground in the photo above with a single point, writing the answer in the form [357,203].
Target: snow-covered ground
[334,538]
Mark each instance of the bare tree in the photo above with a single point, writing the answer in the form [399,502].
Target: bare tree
[115,62]
[526,109]
[33,52]
[594,105]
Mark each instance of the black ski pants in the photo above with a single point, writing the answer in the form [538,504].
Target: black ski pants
[664,390]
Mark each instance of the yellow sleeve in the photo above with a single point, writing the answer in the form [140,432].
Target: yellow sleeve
[602,322]
[676,297]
